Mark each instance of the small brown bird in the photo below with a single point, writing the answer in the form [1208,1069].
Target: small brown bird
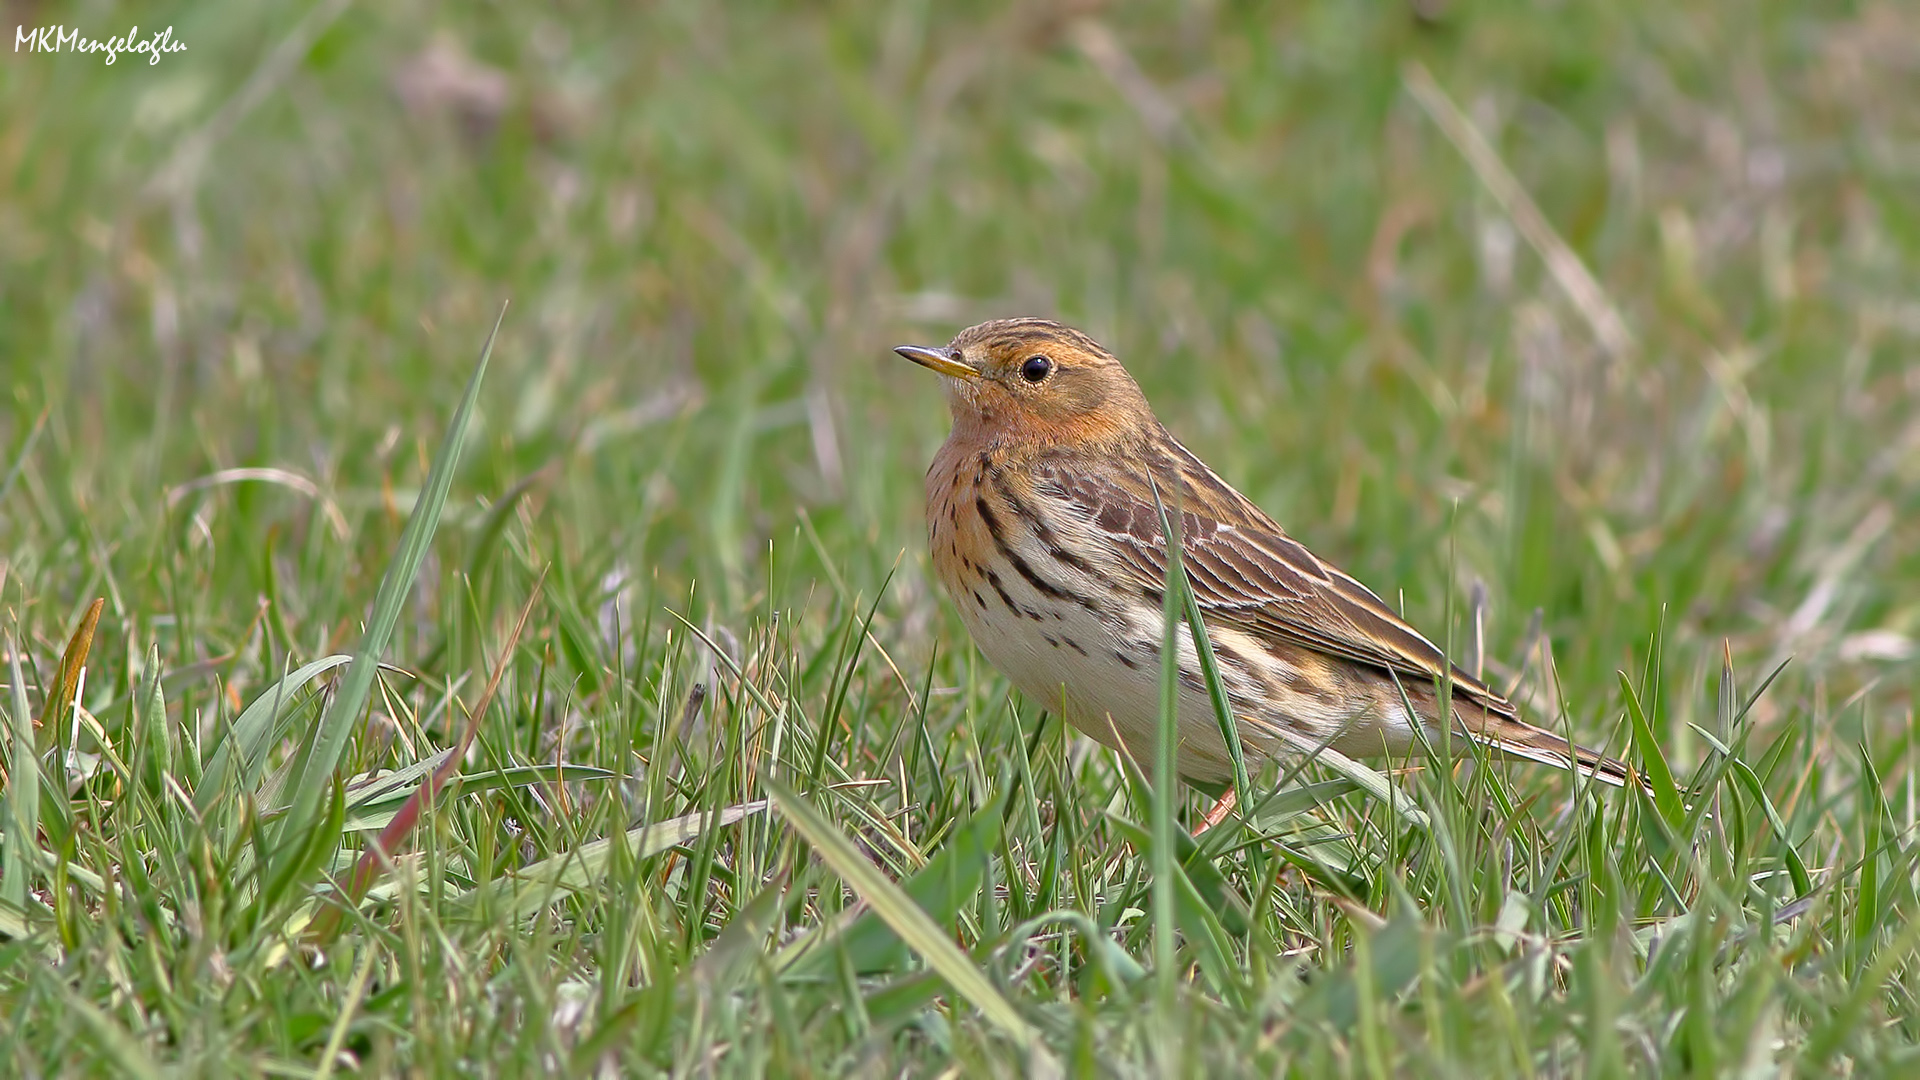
[1045,532]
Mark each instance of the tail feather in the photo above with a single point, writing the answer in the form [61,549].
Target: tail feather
[1516,739]
[1491,722]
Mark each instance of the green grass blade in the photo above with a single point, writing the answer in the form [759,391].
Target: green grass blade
[1843,1021]
[1750,781]
[1197,919]
[1389,963]
[373,802]
[729,961]
[1110,959]
[538,884]
[1166,749]
[239,758]
[1653,760]
[1209,665]
[313,768]
[162,752]
[26,451]
[942,888]
[914,925]
[1371,781]
[23,789]
[1873,903]
[128,1056]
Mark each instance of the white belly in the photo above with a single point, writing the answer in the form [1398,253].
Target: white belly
[1105,679]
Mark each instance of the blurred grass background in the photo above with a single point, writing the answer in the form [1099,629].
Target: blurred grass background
[281,249]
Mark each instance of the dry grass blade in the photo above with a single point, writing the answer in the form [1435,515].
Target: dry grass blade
[1158,113]
[285,478]
[60,699]
[380,852]
[1568,271]
[176,178]
[580,868]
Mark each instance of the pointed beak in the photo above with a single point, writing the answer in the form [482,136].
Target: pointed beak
[942,361]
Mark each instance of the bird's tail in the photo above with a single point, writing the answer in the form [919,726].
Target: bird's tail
[1490,722]
[1516,739]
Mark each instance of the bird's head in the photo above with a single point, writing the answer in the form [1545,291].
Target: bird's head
[1031,380]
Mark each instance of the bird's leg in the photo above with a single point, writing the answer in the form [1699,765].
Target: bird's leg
[1218,812]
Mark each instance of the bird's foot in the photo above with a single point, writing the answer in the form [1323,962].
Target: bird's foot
[1218,813]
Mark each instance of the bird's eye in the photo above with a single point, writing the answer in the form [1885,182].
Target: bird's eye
[1036,368]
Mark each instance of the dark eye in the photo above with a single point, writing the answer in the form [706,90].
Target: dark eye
[1036,368]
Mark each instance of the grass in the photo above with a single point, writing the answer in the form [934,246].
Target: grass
[740,798]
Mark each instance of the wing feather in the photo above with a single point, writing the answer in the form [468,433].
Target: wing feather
[1247,573]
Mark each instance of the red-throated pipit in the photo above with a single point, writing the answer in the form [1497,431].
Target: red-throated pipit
[1042,514]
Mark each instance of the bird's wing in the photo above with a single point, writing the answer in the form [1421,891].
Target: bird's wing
[1246,572]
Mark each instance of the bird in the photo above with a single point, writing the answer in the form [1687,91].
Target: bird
[1044,520]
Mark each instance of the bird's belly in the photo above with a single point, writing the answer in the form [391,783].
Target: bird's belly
[1102,674]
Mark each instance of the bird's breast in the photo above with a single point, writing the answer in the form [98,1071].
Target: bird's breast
[1032,585]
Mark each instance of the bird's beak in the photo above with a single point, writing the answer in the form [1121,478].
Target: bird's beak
[938,360]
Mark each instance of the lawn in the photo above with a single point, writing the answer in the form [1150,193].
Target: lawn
[577,699]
